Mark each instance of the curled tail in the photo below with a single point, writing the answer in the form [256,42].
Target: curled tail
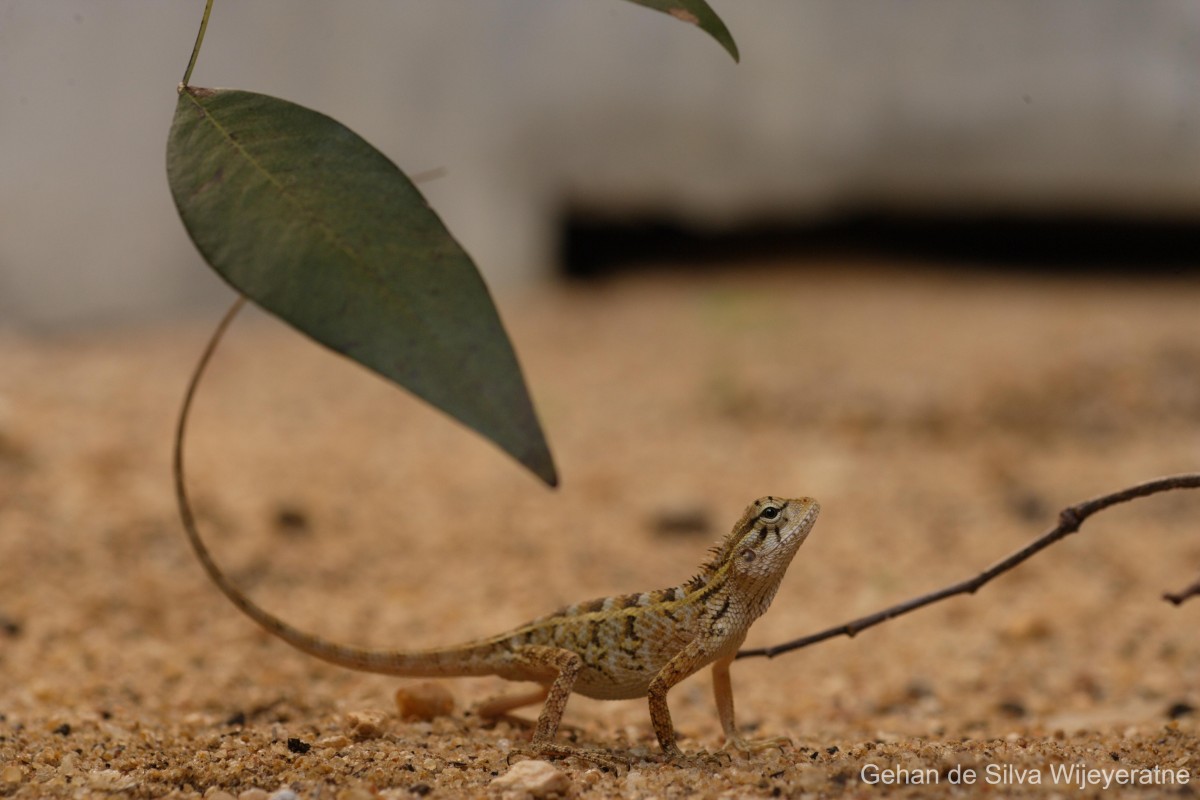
[463,660]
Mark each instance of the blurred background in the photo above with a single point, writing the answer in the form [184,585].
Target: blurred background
[945,236]
[573,137]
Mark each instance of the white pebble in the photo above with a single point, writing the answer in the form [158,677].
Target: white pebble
[533,779]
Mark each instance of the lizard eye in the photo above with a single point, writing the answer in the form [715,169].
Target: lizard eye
[770,512]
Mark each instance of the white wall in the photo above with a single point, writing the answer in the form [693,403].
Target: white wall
[990,104]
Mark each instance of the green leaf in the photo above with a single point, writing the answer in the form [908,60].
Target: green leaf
[697,12]
[313,224]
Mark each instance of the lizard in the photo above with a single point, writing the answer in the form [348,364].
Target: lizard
[620,647]
[612,648]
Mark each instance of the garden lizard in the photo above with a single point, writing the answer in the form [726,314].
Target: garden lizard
[635,645]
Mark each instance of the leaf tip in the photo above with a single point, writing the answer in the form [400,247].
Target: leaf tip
[543,467]
[712,25]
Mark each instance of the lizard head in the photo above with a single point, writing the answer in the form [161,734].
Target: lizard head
[761,546]
[753,558]
[765,539]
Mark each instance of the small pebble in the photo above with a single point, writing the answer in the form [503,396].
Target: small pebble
[254,794]
[682,521]
[11,775]
[1180,709]
[335,742]
[1012,708]
[218,794]
[283,794]
[110,780]
[291,521]
[424,701]
[298,746]
[357,793]
[533,779]
[591,777]
[366,724]
[1028,628]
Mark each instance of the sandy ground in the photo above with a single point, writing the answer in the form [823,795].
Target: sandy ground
[941,418]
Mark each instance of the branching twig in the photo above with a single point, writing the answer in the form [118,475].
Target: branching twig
[1178,597]
[1069,520]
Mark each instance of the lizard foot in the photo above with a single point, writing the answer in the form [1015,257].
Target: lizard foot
[600,758]
[747,747]
[701,760]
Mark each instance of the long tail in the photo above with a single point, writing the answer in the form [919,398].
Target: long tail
[461,660]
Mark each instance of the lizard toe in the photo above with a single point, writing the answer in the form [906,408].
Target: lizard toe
[748,747]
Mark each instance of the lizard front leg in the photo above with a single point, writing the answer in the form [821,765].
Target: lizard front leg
[688,660]
[723,693]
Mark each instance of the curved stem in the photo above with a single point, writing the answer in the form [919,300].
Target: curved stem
[185,409]
[187,75]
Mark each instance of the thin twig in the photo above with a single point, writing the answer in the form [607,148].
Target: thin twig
[1178,598]
[1069,520]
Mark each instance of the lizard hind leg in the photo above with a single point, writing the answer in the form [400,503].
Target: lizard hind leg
[499,708]
[566,664]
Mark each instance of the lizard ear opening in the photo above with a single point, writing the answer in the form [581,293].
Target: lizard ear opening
[747,555]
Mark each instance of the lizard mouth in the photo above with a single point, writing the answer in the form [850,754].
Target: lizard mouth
[805,523]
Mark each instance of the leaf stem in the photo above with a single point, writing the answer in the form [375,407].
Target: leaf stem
[187,75]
